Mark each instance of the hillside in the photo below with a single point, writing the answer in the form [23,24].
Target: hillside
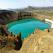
[38,42]
[7,16]
[38,12]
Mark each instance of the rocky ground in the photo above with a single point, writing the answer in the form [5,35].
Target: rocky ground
[39,42]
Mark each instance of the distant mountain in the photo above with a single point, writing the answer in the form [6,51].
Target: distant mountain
[30,8]
[24,9]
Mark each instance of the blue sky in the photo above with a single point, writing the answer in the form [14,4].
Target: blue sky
[5,4]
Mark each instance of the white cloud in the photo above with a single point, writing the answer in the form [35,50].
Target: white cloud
[23,3]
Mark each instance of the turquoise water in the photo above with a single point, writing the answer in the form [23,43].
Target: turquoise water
[26,26]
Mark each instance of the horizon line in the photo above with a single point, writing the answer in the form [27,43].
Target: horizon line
[27,7]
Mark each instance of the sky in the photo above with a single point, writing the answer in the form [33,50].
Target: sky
[13,4]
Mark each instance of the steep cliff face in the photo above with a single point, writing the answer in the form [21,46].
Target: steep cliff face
[6,16]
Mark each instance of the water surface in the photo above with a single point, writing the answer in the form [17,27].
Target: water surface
[26,26]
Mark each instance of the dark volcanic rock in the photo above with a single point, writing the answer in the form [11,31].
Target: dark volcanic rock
[7,16]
